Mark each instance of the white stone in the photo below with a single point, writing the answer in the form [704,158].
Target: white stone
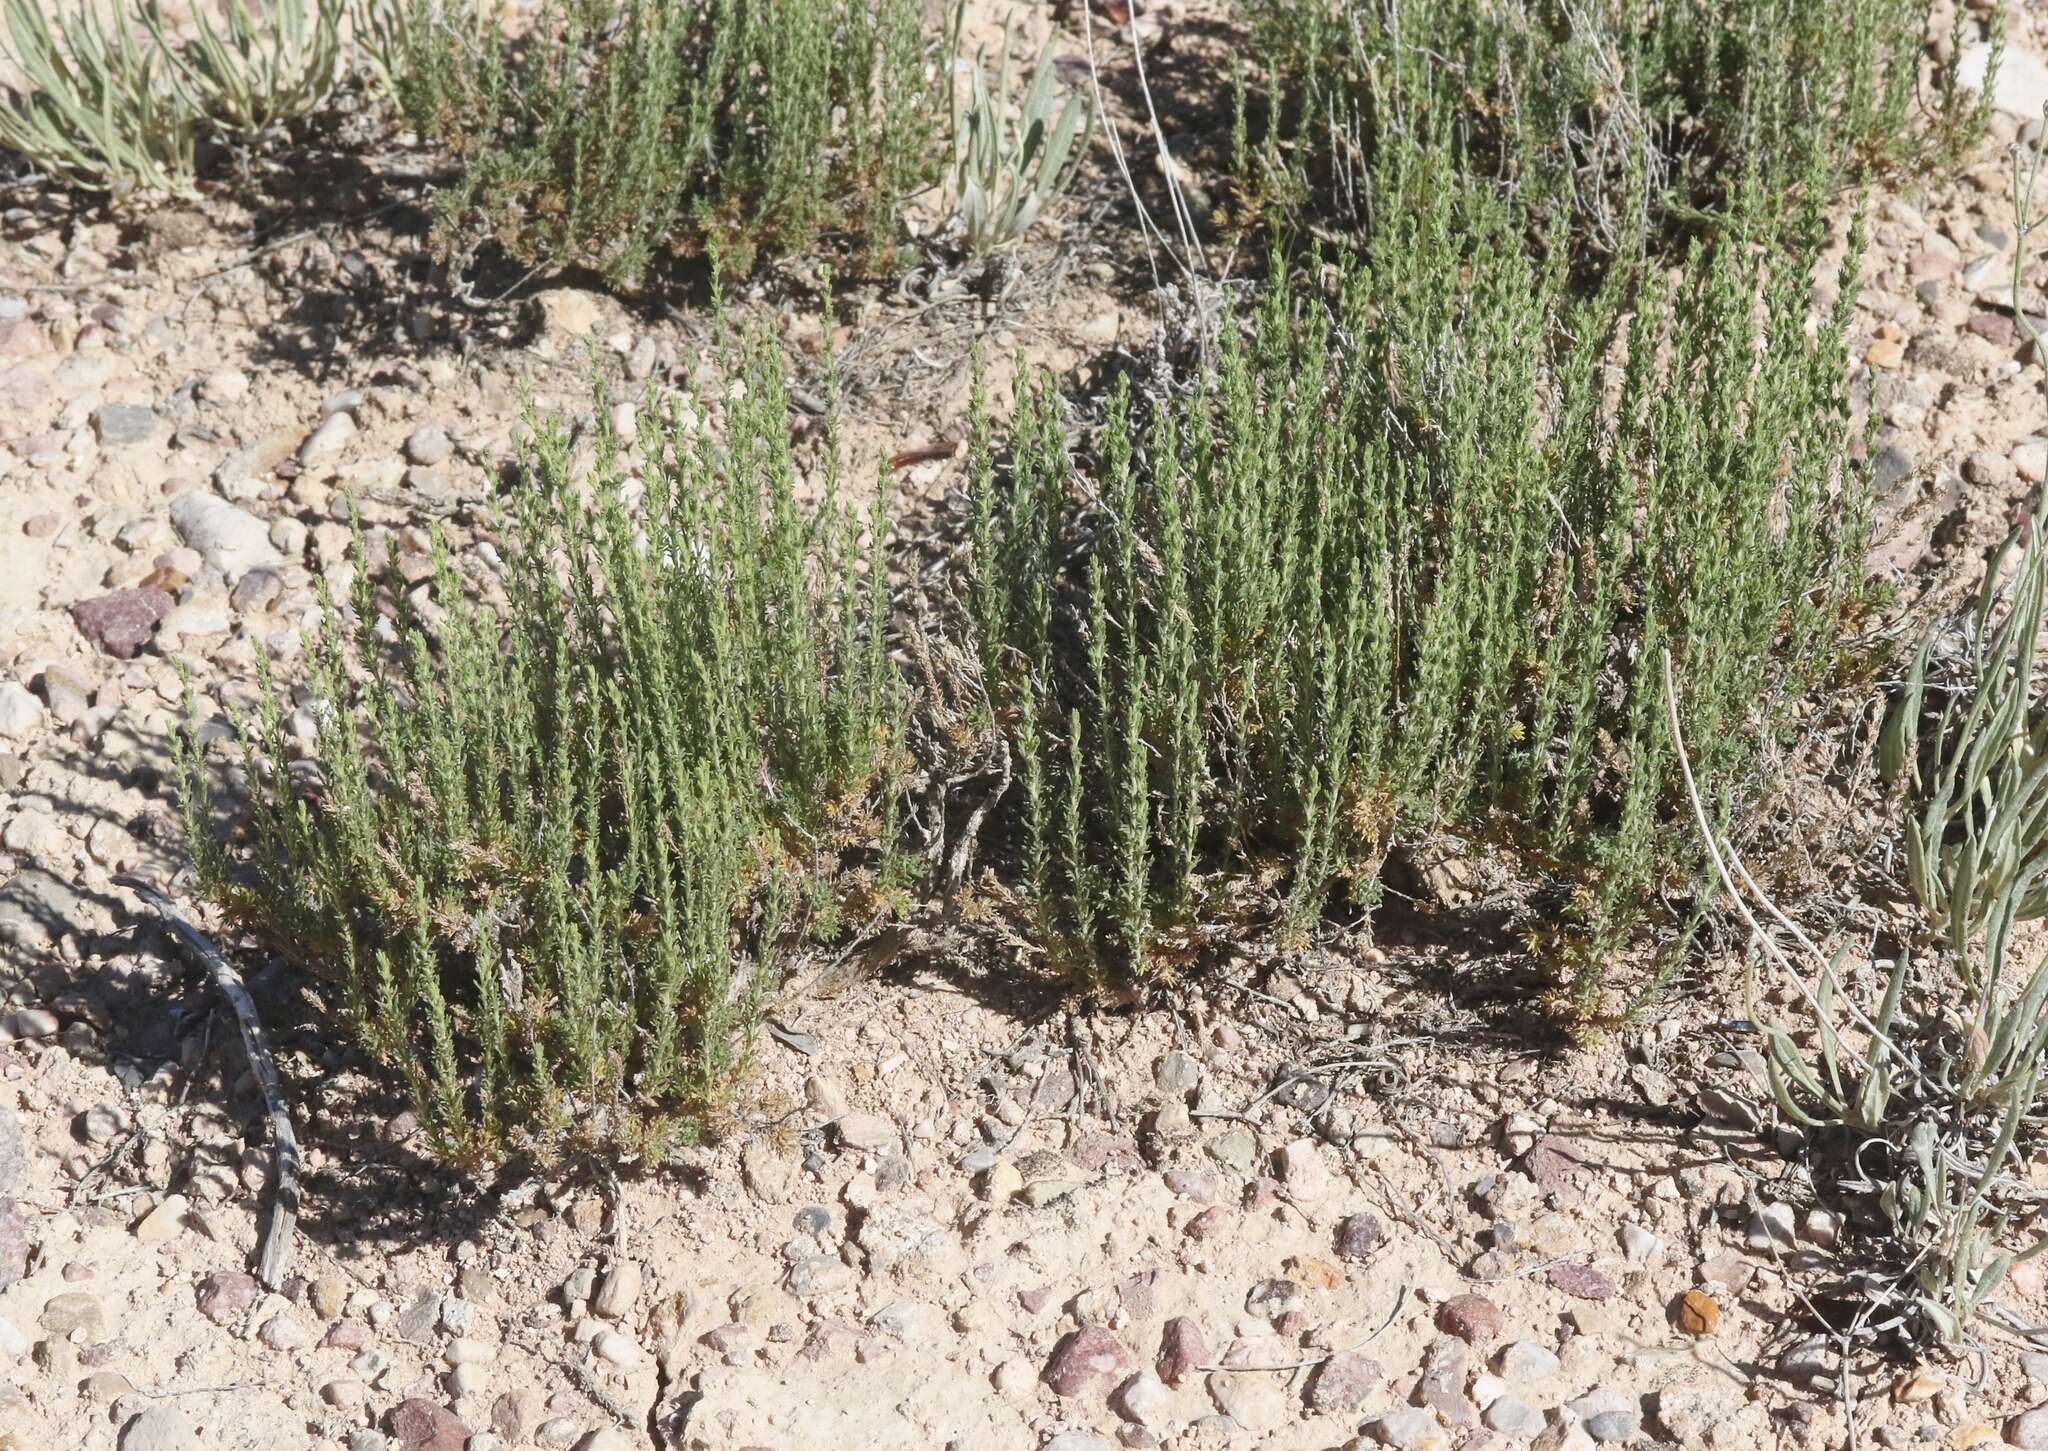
[2019,89]
[230,539]
[464,1351]
[1143,1398]
[20,712]
[616,1348]
[1773,1226]
[1526,1361]
[328,440]
[164,1221]
[229,385]
[1301,1168]
[617,1291]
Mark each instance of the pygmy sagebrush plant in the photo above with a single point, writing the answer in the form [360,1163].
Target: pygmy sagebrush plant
[549,847]
[1605,110]
[1400,563]
[608,131]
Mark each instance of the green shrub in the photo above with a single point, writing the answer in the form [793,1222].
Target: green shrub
[1403,562]
[552,849]
[1603,109]
[611,130]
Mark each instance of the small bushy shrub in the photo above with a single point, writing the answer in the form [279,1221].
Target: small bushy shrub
[610,130]
[551,848]
[1604,109]
[1403,562]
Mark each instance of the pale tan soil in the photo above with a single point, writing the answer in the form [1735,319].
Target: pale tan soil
[927,1305]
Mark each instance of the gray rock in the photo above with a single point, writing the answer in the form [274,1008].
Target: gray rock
[2028,1431]
[1177,1074]
[16,1243]
[257,589]
[1807,1361]
[1610,1427]
[118,424]
[159,1427]
[75,1312]
[13,1150]
[428,445]
[1508,1416]
[1235,1149]
[1526,1361]
[1359,1236]
[1773,1226]
[37,908]
[329,439]
[418,1322]
[229,538]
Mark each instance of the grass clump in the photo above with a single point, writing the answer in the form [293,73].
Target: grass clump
[1926,1106]
[1606,110]
[1010,161]
[549,852]
[1402,562]
[122,105]
[608,131]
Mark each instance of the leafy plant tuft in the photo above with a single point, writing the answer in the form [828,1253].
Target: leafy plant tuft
[549,849]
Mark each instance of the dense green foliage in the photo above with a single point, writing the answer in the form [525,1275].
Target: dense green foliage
[610,130]
[551,848]
[1404,562]
[1604,109]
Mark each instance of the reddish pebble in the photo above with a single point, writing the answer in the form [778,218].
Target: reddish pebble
[1083,1358]
[1182,1350]
[1474,1319]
